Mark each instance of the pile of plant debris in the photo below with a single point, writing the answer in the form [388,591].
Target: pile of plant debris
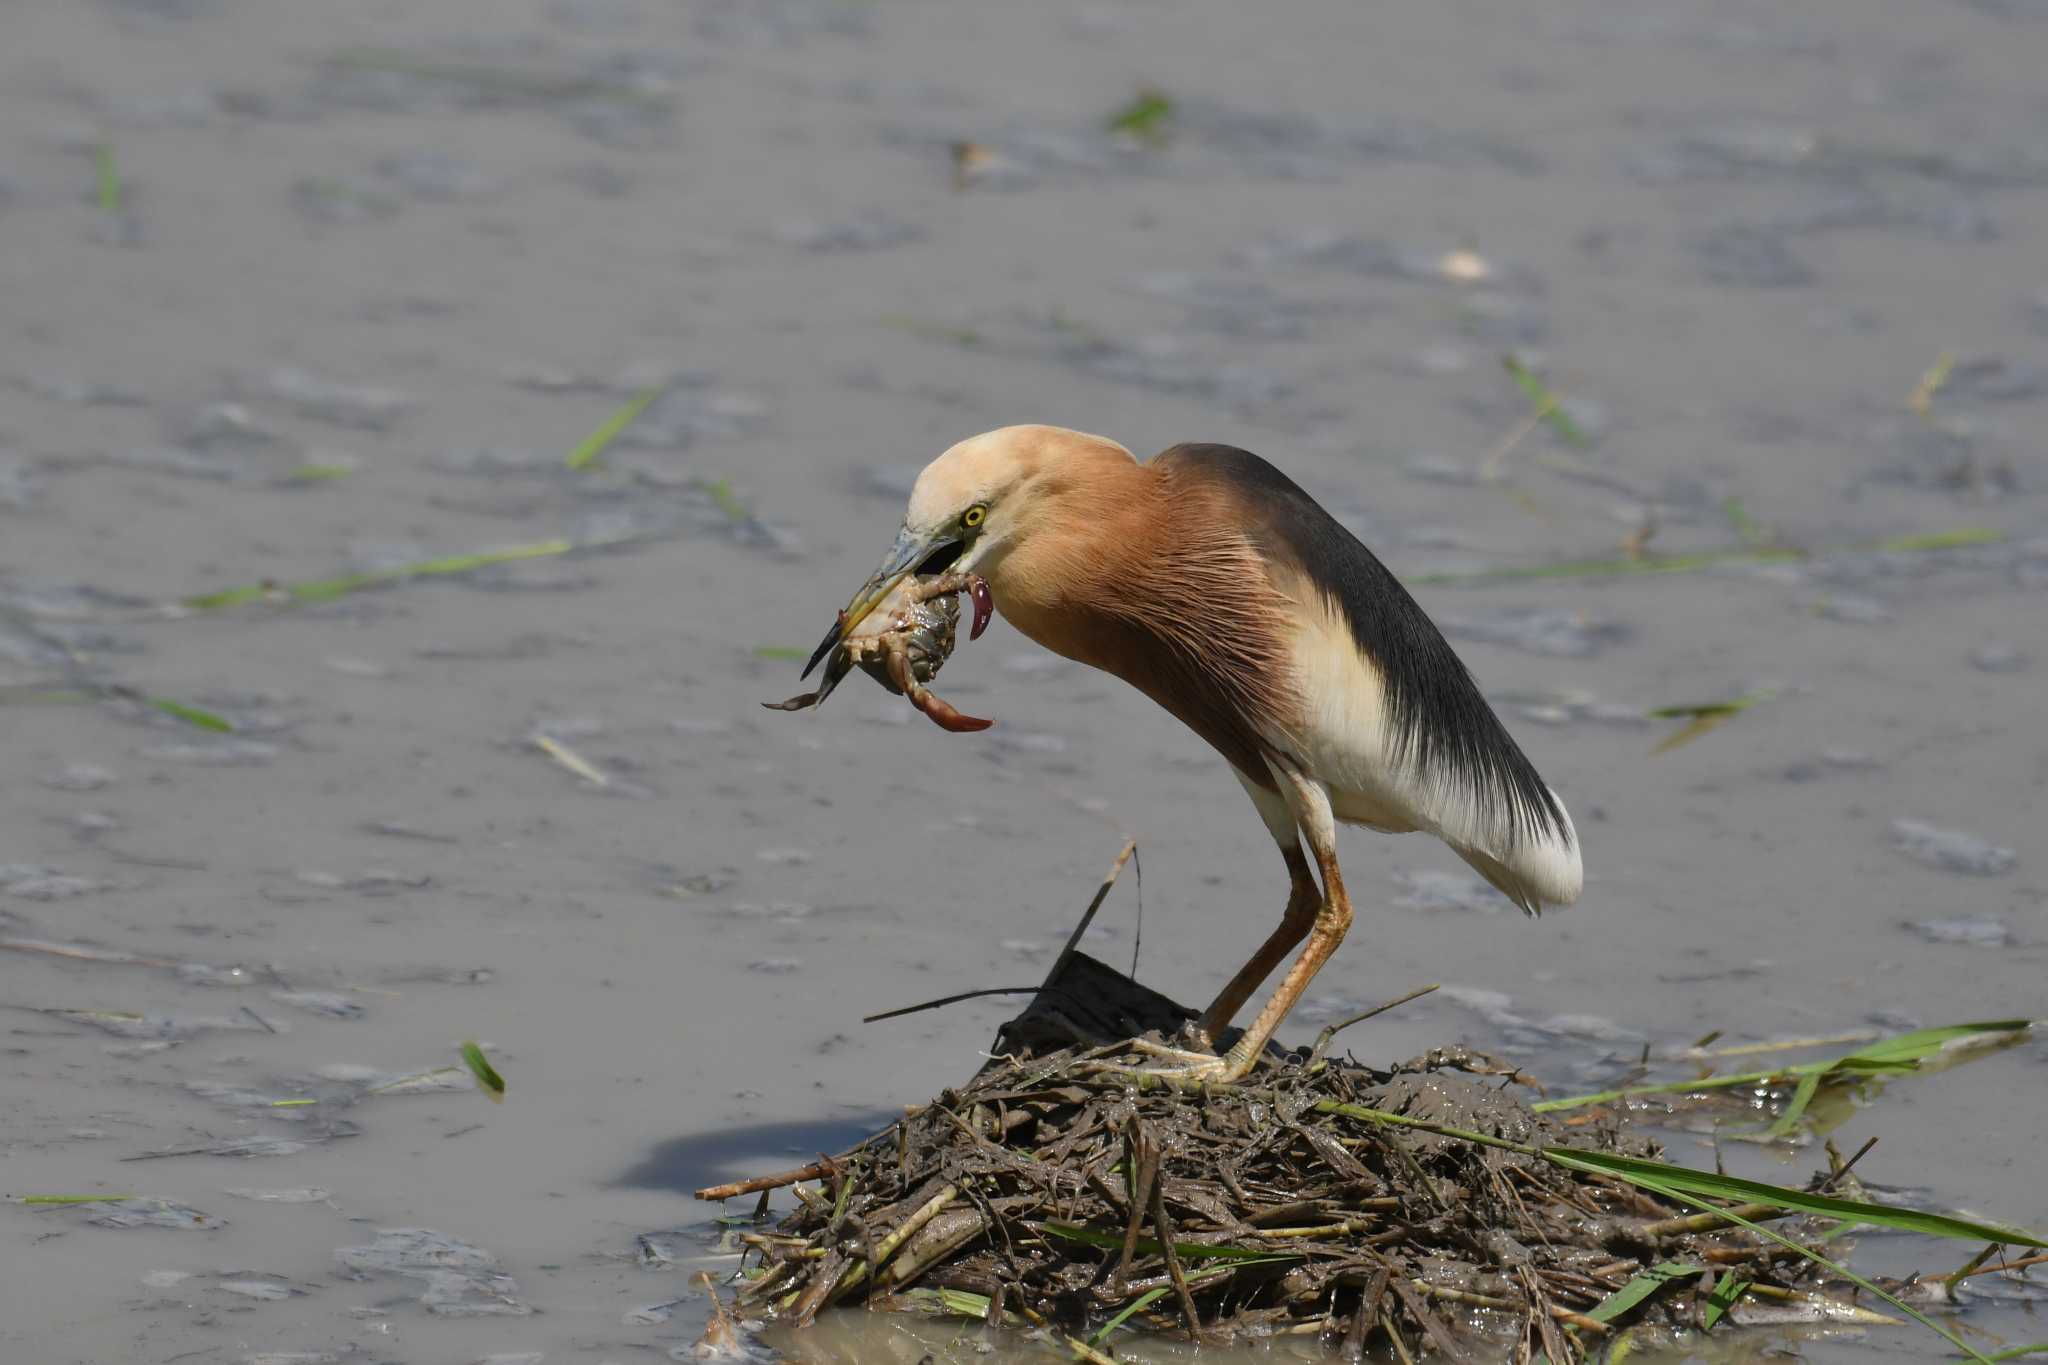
[1419,1206]
[1425,1209]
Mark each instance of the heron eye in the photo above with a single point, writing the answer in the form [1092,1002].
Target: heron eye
[974,516]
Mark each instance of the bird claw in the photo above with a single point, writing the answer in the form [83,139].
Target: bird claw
[1187,1056]
[1191,1070]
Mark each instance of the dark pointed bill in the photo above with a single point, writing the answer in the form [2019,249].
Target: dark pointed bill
[910,550]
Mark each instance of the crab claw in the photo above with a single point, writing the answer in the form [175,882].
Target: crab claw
[796,703]
[947,716]
[984,604]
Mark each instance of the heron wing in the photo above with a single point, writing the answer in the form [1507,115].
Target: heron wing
[1389,717]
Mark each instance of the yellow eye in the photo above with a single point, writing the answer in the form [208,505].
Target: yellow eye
[974,516]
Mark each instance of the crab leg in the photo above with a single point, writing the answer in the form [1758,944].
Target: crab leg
[943,713]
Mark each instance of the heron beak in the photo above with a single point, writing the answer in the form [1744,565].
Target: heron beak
[911,550]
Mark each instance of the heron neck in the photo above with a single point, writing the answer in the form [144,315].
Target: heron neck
[1087,529]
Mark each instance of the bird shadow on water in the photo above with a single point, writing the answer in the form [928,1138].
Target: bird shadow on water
[691,1162]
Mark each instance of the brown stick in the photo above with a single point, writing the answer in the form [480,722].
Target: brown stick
[1144,1159]
[1368,1315]
[1180,1280]
[1088,915]
[1323,1039]
[1432,1326]
[817,1170]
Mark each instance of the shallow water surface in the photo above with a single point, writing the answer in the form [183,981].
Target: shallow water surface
[294,293]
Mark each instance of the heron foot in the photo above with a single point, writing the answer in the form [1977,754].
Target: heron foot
[1186,1056]
[1187,1070]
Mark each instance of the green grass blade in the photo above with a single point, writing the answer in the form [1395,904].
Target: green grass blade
[487,1078]
[925,329]
[1146,117]
[728,501]
[1548,405]
[327,589]
[1941,540]
[227,597]
[108,175]
[1706,559]
[1703,716]
[1922,1044]
[60,1199]
[1124,1315]
[1658,1187]
[1795,1108]
[594,445]
[1697,1185]
[1743,524]
[1723,1298]
[1709,1184]
[193,716]
[1733,706]
[781,653]
[1640,1288]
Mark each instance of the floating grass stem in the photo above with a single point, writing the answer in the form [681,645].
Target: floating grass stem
[193,716]
[1701,717]
[107,177]
[1921,400]
[1545,403]
[1625,566]
[609,430]
[925,329]
[328,589]
[1148,118]
[487,1078]
[728,502]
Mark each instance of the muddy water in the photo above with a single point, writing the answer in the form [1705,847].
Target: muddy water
[346,283]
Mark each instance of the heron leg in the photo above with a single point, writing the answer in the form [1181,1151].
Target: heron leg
[1308,807]
[1309,801]
[1295,922]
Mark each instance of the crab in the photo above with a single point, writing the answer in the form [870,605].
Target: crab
[904,642]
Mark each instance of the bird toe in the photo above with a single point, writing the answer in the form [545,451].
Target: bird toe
[1183,1069]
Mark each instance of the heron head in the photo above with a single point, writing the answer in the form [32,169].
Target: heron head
[971,506]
